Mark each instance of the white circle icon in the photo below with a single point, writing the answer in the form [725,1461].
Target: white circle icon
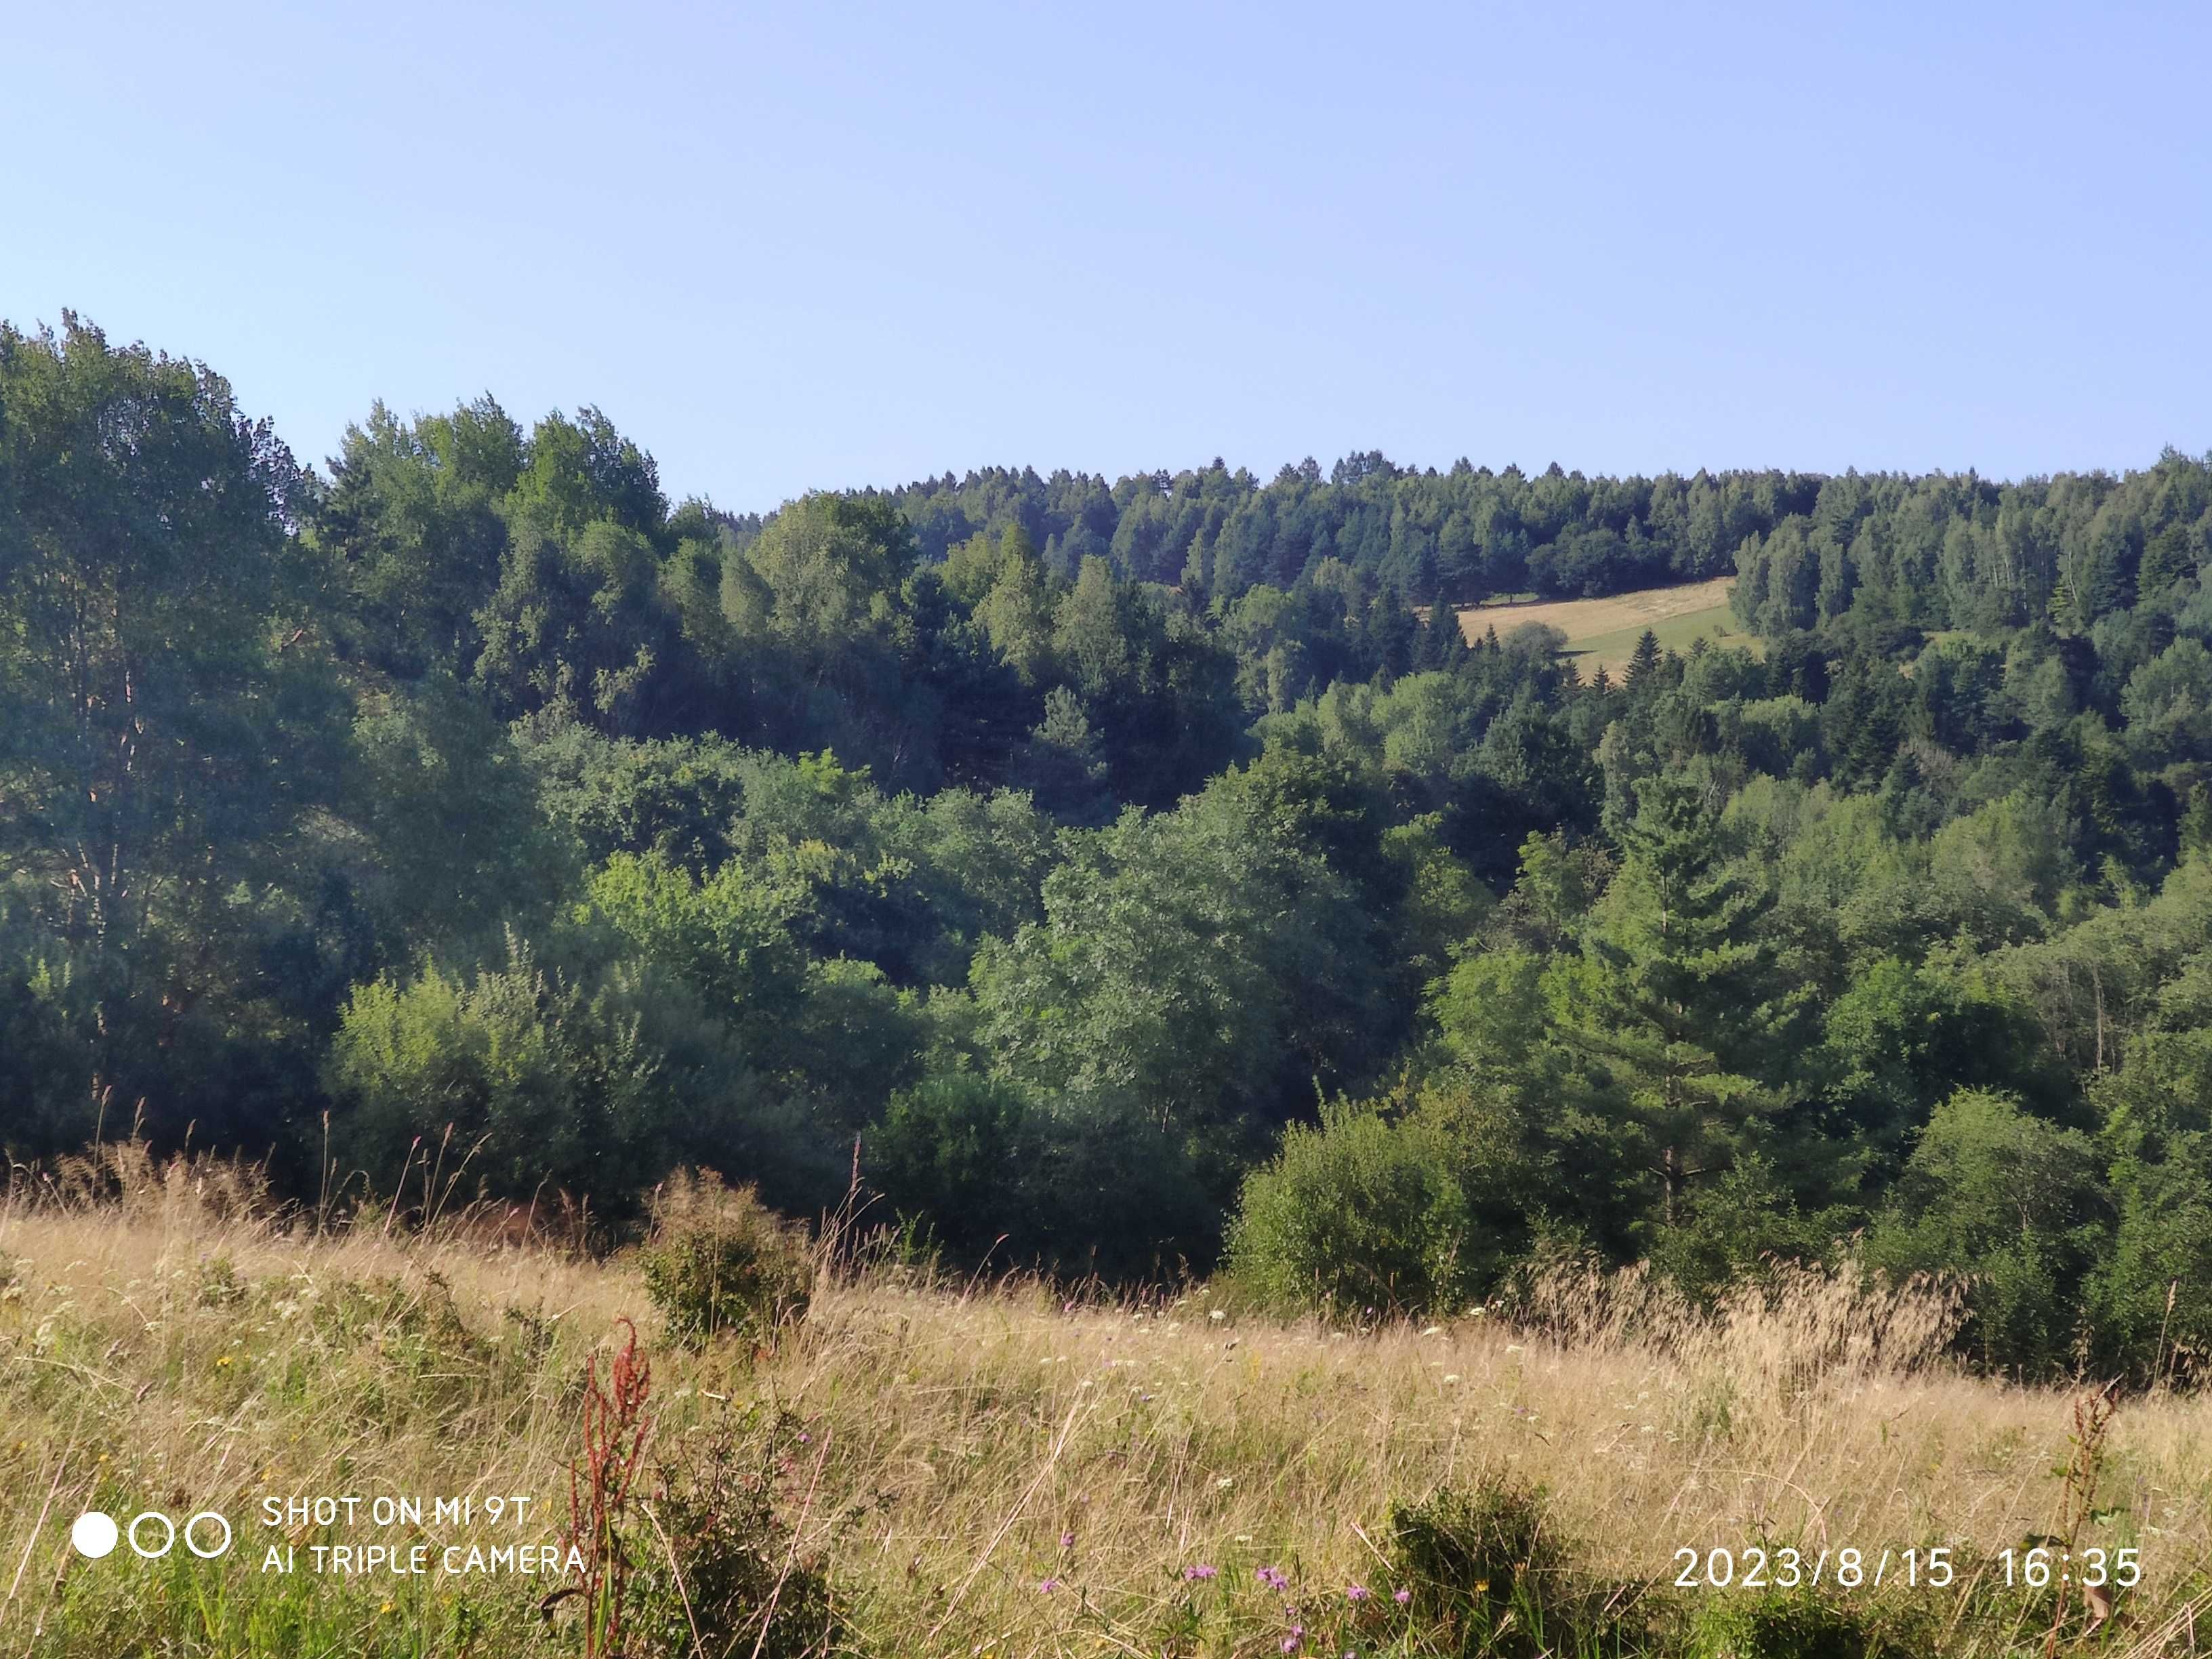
[94,1534]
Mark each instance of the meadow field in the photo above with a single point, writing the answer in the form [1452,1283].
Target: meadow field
[926,1466]
[1602,633]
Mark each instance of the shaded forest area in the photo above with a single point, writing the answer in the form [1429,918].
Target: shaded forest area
[1129,868]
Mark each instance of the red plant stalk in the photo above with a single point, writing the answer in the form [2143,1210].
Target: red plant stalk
[618,1423]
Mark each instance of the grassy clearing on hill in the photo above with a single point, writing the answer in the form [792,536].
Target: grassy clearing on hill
[1602,633]
[993,1469]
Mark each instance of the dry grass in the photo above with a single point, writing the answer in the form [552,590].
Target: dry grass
[966,1447]
[1603,632]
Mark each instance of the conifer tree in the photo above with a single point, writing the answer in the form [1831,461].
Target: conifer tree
[1671,1007]
[1643,662]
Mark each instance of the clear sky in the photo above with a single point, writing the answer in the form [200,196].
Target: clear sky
[823,245]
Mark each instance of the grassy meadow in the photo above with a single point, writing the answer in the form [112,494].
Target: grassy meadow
[966,1467]
[1602,633]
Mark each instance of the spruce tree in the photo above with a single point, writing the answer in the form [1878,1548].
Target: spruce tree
[1643,662]
[1671,1007]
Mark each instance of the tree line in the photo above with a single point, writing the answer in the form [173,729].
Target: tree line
[1248,913]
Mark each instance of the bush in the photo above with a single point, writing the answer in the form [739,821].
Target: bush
[1365,1212]
[746,1588]
[719,1260]
[540,1080]
[1489,1575]
[951,1152]
[2012,1199]
[1794,1624]
[987,1170]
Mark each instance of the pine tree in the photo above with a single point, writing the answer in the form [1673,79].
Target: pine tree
[1643,662]
[1392,636]
[1671,1005]
[1438,644]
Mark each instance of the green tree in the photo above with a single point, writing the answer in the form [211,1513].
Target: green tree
[2013,1200]
[1672,1004]
[1194,969]
[170,725]
[412,534]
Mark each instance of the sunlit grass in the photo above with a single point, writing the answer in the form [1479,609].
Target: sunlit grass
[1604,632]
[987,1468]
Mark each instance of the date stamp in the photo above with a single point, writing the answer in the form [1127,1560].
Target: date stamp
[1852,1567]
[1849,1567]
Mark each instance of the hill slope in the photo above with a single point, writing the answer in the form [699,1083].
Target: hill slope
[1603,632]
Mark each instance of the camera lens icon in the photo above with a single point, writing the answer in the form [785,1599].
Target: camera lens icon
[152,1535]
[94,1534]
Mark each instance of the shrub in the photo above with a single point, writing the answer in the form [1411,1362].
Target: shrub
[990,1170]
[1365,1212]
[1794,1624]
[746,1588]
[719,1260]
[2011,1199]
[1488,1575]
[951,1149]
[542,1080]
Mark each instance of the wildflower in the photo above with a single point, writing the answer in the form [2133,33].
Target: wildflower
[1274,1578]
[1295,1639]
[224,1361]
[1218,1313]
[1356,1593]
[1067,1540]
[1224,1483]
[1200,1573]
[385,1608]
[1402,1597]
[1451,1376]
[1046,1587]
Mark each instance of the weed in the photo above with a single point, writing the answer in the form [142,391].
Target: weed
[718,1260]
[617,1421]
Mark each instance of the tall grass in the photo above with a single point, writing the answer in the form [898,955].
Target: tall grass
[1000,1467]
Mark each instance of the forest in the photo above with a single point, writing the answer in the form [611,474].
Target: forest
[1137,877]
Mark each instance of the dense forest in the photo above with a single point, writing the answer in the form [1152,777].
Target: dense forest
[1131,876]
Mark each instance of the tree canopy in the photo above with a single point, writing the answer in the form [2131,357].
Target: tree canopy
[1134,875]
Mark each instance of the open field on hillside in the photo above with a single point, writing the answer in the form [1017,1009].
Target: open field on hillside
[1602,633]
[980,1469]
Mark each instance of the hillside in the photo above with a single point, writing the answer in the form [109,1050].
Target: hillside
[471,812]
[977,1468]
[1601,633]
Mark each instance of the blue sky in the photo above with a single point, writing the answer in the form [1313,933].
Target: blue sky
[825,245]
